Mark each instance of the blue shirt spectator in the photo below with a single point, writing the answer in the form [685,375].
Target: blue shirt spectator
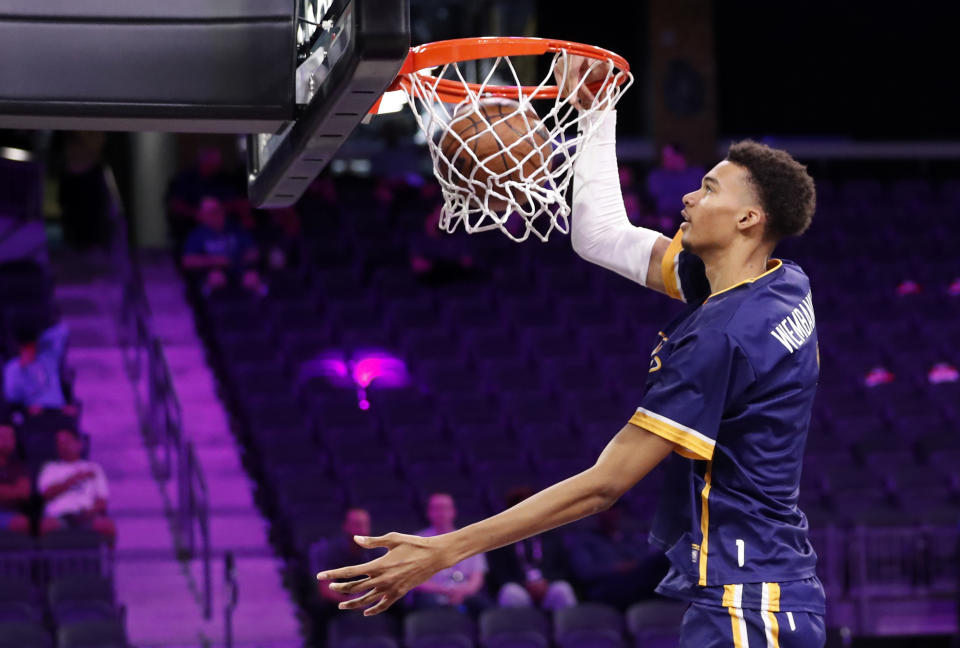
[32,379]
[221,251]
[221,244]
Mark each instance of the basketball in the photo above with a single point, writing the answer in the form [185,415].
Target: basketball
[490,148]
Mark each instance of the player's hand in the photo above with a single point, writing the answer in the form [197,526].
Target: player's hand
[577,69]
[410,560]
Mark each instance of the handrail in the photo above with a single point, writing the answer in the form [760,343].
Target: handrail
[161,419]
[231,596]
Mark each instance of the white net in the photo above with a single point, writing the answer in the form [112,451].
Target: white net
[506,164]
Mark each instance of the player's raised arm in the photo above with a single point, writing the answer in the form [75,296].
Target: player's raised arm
[411,560]
[601,232]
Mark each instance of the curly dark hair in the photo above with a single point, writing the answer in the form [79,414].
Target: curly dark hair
[784,187]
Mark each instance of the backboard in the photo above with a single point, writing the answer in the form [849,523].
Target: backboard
[349,52]
[299,75]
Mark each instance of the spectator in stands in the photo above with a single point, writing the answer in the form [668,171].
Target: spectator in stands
[438,257]
[188,189]
[221,251]
[673,178]
[611,566]
[532,571]
[83,194]
[342,550]
[461,585]
[74,490]
[14,483]
[32,379]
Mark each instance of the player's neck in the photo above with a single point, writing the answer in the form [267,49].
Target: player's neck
[728,267]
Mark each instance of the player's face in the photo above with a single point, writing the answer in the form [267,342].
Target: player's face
[712,211]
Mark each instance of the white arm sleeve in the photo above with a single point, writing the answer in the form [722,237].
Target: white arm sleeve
[601,232]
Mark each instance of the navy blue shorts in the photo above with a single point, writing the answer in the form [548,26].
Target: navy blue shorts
[706,626]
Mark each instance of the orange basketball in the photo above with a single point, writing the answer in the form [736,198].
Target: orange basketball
[486,149]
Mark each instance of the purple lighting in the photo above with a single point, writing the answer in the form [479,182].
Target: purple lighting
[360,371]
[388,370]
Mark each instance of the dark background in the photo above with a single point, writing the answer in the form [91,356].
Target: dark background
[866,70]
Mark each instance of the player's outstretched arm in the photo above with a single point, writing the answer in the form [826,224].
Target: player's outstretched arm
[411,560]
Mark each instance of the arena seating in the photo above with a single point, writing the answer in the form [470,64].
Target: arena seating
[522,375]
[55,590]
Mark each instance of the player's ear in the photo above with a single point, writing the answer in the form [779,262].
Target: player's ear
[751,217]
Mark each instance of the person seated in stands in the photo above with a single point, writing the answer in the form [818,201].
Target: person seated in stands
[14,483]
[331,552]
[438,257]
[612,566]
[221,251]
[74,490]
[461,585]
[31,380]
[205,178]
[532,571]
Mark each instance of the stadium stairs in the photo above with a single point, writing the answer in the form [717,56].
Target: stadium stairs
[160,591]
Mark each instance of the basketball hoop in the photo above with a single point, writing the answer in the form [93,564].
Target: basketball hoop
[521,188]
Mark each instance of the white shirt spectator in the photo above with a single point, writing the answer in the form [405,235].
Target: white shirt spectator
[82,496]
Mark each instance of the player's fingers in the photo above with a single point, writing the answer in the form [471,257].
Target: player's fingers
[390,540]
[384,603]
[567,73]
[361,601]
[351,572]
[351,587]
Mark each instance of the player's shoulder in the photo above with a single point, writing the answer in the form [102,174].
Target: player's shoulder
[776,317]
[750,310]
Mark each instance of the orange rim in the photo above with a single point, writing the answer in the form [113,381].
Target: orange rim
[440,53]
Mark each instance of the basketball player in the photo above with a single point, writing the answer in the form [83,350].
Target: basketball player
[729,392]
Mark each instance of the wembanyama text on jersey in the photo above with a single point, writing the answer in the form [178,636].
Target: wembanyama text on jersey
[732,382]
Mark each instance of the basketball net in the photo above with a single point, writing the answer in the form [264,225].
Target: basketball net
[517,204]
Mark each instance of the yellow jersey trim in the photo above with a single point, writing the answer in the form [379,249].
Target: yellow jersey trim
[668,267]
[770,268]
[773,596]
[691,443]
[705,525]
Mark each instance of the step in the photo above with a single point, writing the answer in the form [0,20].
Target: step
[121,463]
[137,496]
[220,461]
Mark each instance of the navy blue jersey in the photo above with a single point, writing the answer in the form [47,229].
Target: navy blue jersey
[732,382]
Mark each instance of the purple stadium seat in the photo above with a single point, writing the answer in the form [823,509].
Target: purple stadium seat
[584,311]
[430,345]
[488,445]
[468,409]
[570,376]
[516,627]
[532,408]
[353,625]
[418,315]
[368,642]
[481,344]
[591,625]
[866,505]
[524,311]
[438,627]
[655,624]
[425,446]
